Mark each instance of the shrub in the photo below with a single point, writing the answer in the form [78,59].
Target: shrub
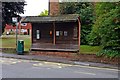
[93,39]
[109,53]
[113,44]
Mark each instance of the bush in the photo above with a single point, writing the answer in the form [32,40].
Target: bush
[113,44]
[12,33]
[93,39]
[85,30]
[109,53]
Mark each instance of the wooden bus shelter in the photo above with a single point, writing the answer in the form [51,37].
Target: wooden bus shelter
[55,33]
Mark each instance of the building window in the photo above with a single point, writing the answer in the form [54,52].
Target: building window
[23,30]
[23,24]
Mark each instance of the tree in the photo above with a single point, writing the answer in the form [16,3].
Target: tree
[44,13]
[85,10]
[0,18]
[107,26]
[9,10]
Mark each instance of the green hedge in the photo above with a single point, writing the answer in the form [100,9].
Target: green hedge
[109,53]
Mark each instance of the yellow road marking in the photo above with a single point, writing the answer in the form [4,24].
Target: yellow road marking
[53,63]
[14,62]
[62,64]
[39,64]
[97,68]
[85,73]
[59,66]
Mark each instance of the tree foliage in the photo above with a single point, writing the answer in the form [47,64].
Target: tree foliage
[103,29]
[85,10]
[11,9]
[44,13]
[106,29]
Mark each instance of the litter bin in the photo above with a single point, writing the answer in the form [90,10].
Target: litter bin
[20,47]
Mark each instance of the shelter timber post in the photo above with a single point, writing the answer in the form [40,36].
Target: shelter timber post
[54,37]
[79,31]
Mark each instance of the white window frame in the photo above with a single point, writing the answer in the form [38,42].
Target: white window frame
[23,24]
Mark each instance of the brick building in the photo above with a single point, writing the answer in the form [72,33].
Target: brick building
[23,28]
[54,7]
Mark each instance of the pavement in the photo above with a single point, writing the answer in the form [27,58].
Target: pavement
[57,60]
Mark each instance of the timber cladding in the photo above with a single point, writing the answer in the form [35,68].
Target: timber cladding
[65,32]
[44,29]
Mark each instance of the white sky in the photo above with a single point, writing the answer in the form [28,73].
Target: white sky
[35,7]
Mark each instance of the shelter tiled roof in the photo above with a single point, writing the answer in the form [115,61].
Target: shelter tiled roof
[46,19]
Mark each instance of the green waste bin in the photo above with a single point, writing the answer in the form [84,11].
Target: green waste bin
[20,47]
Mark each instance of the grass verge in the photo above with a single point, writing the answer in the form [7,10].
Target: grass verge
[86,49]
[10,41]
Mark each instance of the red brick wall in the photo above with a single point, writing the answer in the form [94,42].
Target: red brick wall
[53,7]
[9,27]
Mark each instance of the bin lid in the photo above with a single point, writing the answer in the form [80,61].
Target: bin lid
[20,40]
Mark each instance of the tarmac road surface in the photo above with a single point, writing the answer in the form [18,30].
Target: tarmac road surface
[19,68]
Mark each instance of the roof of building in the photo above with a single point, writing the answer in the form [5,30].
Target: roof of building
[12,1]
[46,19]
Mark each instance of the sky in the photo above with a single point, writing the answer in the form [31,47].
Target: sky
[35,7]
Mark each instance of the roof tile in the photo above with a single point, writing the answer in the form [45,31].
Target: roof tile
[45,19]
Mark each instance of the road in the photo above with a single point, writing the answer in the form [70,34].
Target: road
[18,68]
